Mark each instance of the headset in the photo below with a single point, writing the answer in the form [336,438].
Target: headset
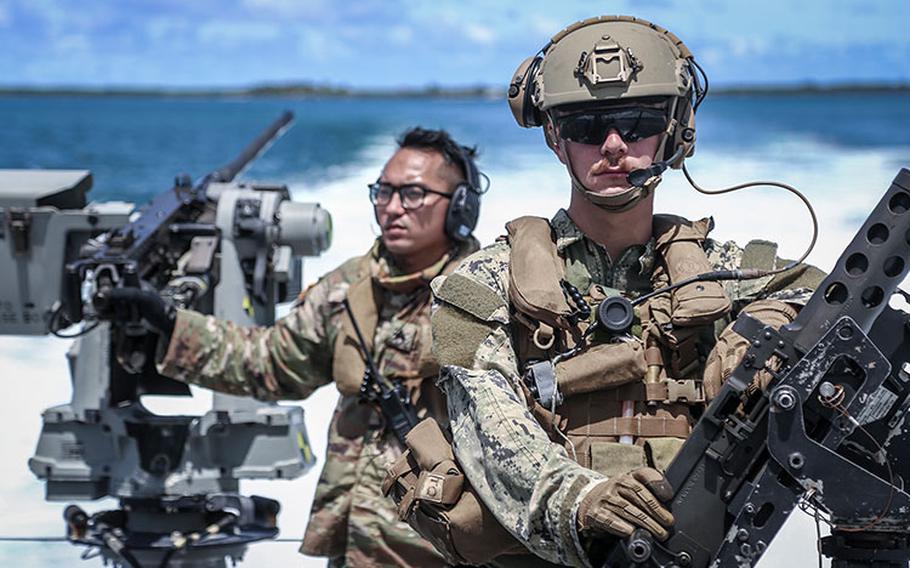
[680,144]
[523,88]
[464,205]
[464,201]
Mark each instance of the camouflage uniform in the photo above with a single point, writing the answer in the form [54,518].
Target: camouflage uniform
[530,483]
[351,522]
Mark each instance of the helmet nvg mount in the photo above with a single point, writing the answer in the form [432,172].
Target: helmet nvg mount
[605,60]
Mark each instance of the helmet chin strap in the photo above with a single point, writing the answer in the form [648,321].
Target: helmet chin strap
[618,202]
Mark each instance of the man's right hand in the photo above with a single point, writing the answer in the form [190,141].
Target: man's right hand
[627,502]
[124,303]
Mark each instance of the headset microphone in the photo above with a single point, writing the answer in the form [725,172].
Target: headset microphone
[639,177]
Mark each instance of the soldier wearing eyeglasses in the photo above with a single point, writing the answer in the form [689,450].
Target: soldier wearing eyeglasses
[426,202]
[561,426]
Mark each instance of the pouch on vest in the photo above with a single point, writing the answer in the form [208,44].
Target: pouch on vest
[598,367]
[613,459]
[679,243]
[602,366]
[434,498]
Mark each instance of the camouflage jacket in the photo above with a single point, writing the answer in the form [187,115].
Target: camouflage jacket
[350,520]
[529,482]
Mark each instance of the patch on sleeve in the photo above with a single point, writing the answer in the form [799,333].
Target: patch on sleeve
[473,297]
[759,254]
[457,336]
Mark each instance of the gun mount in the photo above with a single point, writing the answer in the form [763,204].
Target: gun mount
[829,434]
[217,246]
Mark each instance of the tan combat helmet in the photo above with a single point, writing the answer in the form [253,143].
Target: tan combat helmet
[607,59]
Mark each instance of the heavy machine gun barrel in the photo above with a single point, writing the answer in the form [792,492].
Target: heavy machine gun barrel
[182,204]
[251,152]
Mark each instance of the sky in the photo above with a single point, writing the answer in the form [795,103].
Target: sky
[409,43]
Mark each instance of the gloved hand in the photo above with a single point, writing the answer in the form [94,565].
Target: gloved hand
[127,303]
[731,346]
[626,502]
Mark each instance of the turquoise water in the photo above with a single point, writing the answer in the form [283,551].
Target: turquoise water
[136,145]
[842,150]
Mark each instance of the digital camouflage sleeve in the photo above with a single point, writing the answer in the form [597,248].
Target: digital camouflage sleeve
[531,485]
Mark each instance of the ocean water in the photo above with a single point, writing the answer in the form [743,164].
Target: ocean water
[841,150]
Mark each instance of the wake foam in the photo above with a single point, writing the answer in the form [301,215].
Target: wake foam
[842,185]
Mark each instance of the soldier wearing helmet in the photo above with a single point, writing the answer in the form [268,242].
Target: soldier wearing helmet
[562,425]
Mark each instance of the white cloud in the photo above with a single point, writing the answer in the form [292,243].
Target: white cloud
[227,33]
[480,34]
[289,7]
[711,55]
[546,27]
[165,28]
[401,35]
[70,43]
[319,46]
[743,46]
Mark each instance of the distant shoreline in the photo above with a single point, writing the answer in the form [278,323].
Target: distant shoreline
[431,92]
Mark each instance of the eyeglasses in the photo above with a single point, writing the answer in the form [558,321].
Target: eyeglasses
[592,127]
[411,195]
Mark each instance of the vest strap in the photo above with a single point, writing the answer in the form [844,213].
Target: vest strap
[665,391]
[348,365]
[541,377]
[647,426]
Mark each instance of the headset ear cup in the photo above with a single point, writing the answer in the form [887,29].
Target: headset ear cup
[521,91]
[684,136]
[532,115]
[462,214]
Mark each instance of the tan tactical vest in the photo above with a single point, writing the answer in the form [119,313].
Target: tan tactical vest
[352,419]
[655,377]
[365,297]
[658,372]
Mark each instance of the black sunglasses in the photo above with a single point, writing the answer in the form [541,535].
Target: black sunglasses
[592,127]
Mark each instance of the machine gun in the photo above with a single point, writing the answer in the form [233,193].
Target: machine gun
[830,433]
[216,246]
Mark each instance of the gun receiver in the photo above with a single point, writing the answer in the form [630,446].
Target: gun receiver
[830,432]
[174,213]
[391,397]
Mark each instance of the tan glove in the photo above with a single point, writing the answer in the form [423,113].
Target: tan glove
[626,502]
[731,346]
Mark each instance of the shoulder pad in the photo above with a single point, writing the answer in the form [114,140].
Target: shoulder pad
[536,270]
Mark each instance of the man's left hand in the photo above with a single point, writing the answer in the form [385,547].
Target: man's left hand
[731,346]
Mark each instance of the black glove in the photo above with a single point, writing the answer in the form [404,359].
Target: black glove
[127,303]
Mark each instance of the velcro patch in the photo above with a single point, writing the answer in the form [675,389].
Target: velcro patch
[759,254]
[473,297]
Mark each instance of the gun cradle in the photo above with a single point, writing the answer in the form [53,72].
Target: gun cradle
[830,433]
[223,248]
